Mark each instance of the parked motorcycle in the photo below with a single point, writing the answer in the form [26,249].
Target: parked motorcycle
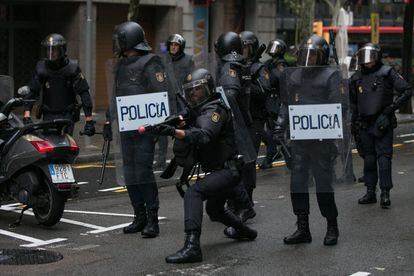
[35,164]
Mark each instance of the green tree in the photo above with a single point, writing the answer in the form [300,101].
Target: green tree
[133,10]
[304,11]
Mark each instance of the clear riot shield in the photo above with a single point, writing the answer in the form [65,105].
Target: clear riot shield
[225,83]
[317,99]
[133,152]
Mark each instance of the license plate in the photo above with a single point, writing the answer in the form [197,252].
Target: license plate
[61,173]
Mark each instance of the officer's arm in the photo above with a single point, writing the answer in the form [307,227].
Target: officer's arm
[207,127]
[402,87]
[35,86]
[81,87]
[353,99]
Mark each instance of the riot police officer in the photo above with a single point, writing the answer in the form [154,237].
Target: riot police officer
[373,107]
[177,65]
[311,155]
[137,72]
[275,65]
[56,82]
[259,88]
[211,137]
[234,77]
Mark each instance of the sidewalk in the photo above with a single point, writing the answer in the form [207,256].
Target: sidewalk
[90,147]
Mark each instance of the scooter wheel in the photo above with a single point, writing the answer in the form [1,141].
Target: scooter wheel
[51,204]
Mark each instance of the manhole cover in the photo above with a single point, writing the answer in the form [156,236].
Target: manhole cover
[28,256]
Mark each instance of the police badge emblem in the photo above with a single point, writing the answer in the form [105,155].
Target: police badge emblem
[159,76]
[189,77]
[266,75]
[215,117]
[360,89]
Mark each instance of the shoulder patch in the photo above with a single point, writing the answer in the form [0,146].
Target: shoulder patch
[280,67]
[215,117]
[232,73]
[360,89]
[159,76]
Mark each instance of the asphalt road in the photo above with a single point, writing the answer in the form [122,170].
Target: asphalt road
[90,238]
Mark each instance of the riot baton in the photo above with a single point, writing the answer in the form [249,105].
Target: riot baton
[105,154]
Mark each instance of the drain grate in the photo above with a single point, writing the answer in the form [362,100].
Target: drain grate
[28,257]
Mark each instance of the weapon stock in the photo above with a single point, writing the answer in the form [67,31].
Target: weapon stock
[174,120]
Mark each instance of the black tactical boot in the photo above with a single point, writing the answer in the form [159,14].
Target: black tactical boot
[302,234]
[369,197]
[151,230]
[246,214]
[385,199]
[140,220]
[332,233]
[190,253]
[241,234]
[266,164]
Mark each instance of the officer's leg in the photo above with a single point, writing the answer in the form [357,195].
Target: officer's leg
[322,168]
[299,195]
[370,165]
[383,148]
[249,178]
[212,185]
[148,188]
[137,200]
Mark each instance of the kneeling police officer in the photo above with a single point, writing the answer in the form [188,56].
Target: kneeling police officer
[210,135]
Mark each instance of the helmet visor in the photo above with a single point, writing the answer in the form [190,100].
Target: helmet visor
[196,92]
[353,65]
[53,53]
[275,49]
[367,55]
[308,56]
[248,51]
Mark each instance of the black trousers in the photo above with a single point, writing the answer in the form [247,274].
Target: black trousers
[53,116]
[137,157]
[216,188]
[316,157]
[377,157]
[162,149]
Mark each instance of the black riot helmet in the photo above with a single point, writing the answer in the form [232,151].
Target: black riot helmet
[198,87]
[176,38]
[276,48]
[228,47]
[54,47]
[314,52]
[369,53]
[250,44]
[129,35]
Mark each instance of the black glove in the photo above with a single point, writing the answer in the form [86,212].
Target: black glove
[107,132]
[89,128]
[27,121]
[382,124]
[163,130]
[389,109]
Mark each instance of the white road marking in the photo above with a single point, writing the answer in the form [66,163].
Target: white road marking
[112,189]
[99,213]
[360,273]
[83,183]
[33,241]
[408,142]
[405,135]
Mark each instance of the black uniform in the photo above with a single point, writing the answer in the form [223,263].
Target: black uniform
[260,90]
[139,75]
[372,102]
[276,68]
[57,87]
[235,79]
